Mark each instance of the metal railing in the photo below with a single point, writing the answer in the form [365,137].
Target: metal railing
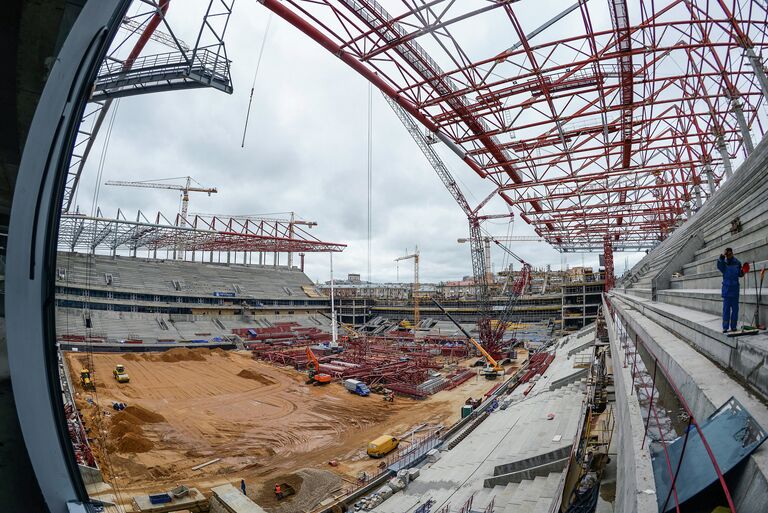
[203,62]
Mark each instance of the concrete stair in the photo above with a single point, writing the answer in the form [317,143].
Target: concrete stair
[742,195]
[530,496]
[746,357]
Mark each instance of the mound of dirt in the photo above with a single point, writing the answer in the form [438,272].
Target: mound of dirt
[143,414]
[133,443]
[249,374]
[182,354]
[122,427]
[132,357]
[311,487]
[219,351]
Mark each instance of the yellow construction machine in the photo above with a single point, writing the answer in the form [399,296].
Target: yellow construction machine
[493,369]
[85,380]
[120,374]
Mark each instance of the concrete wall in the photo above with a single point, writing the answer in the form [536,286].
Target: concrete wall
[634,473]
[5,372]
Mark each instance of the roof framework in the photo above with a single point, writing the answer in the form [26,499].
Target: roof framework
[597,123]
[196,233]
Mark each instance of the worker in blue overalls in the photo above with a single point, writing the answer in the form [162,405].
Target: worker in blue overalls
[730,267]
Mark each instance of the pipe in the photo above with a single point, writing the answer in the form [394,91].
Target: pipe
[147,34]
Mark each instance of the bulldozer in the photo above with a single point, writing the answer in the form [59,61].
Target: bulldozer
[120,374]
[85,380]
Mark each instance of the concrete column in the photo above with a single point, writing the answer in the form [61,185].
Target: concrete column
[697,195]
[710,178]
[746,138]
[687,208]
[724,155]
[759,69]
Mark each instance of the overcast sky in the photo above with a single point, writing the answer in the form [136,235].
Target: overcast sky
[305,151]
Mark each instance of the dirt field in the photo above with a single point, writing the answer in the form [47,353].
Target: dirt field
[187,407]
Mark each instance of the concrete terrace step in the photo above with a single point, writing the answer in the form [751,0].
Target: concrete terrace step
[746,357]
[754,250]
[750,210]
[532,495]
[703,384]
[712,278]
[710,301]
[539,472]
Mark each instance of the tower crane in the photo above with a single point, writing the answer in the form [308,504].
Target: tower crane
[490,337]
[185,189]
[487,239]
[415,292]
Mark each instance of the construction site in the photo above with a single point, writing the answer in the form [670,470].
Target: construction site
[244,418]
[169,359]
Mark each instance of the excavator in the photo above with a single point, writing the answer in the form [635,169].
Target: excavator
[85,380]
[315,376]
[492,370]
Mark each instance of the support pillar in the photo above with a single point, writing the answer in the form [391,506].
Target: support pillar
[608,263]
[697,195]
[759,70]
[737,106]
[723,149]
[710,178]
[301,257]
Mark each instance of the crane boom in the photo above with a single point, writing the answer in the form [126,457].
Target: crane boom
[185,189]
[313,359]
[154,185]
[491,361]
[477,249]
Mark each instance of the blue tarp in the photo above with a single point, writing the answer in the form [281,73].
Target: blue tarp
[732,434]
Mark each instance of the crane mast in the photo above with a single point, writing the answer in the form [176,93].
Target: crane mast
[415,290]
[477,249]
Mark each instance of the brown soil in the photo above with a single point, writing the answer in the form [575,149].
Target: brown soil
[203,406]
[184,355]
[122,427]
[310,487]
[131,442]
[143,414]
[249,374]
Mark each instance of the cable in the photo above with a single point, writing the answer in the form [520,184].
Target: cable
[370,174]
[98,417]
[255,74]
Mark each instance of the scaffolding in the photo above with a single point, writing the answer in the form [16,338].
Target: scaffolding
[188,238]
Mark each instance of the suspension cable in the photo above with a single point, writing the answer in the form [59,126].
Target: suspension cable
[255,74]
